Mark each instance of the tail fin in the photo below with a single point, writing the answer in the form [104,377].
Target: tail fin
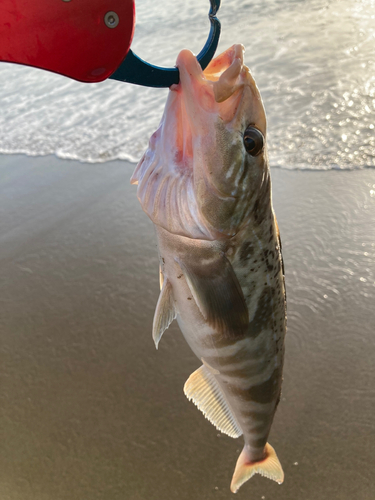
[269,467]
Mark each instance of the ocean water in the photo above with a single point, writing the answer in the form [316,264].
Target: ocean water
[314,62]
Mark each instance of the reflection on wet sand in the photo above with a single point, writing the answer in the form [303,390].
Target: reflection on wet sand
[90,410]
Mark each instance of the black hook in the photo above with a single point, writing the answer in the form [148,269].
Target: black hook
[134,70]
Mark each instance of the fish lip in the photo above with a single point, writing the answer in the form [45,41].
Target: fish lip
[215,68]
[227,73]
[216,91]
[223,61]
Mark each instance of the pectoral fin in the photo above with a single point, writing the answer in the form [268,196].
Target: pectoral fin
[165,312]
[203,389]
[218,295]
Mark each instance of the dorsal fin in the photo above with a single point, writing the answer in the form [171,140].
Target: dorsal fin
[165,312]
[218,295]
[203,389]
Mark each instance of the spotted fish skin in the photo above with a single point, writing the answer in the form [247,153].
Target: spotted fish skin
[221,266]
[248,365]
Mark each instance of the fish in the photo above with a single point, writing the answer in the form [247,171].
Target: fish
[204,181]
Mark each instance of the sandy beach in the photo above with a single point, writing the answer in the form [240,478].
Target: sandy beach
[90,410]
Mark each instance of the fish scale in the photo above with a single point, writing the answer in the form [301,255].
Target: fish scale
[208,192]
[256,368]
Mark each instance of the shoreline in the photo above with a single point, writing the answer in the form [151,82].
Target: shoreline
[300,168]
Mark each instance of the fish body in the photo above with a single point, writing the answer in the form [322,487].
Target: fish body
[205,183]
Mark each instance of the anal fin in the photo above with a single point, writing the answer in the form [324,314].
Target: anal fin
[165,312]
[203,389]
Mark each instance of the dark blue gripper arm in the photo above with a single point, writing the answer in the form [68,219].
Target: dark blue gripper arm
[134,70]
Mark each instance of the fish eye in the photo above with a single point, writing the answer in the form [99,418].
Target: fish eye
[253,141]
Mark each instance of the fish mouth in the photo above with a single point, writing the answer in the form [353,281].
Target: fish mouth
[226,73]
[219,87]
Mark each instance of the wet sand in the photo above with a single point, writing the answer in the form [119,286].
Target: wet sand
[90,410]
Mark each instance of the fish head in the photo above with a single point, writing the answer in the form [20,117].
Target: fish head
[207,162]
